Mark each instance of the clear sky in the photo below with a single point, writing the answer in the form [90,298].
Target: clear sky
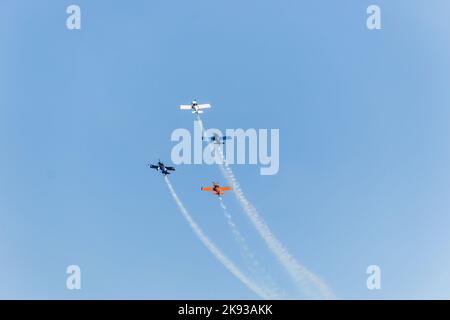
[364,144]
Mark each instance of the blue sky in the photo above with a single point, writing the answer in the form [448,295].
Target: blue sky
[364,144]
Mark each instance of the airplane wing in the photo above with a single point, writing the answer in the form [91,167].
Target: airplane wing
[203,106]
[207,189]
[153,166]
[225,189]
[185,107]
[170,168]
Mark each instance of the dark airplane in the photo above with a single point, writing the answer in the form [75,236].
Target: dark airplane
[161,167]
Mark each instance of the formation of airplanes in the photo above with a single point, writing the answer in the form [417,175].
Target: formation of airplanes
[196,108]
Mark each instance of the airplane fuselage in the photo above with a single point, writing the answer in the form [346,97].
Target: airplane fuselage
[163,169]
[217,190]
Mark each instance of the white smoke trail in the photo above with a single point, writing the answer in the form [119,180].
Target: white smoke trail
[238,236]
[200,122]
[215,250]
[248,255]
[301,275]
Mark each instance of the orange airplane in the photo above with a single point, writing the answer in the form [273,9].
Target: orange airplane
[217,190]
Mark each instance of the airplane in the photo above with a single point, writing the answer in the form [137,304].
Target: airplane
[195,107]
[216,189]
[217,139]
[161,167]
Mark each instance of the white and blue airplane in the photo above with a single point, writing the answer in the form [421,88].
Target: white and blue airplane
[195,107]
[216,139]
